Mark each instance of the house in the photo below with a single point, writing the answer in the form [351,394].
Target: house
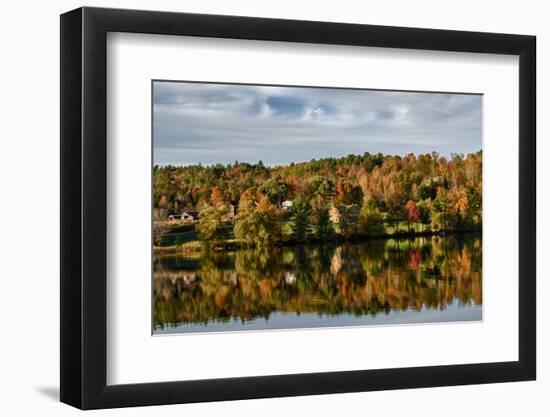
[290,278]
[334,215]
[190,215]
[287,204]
[232,212]
[340,214]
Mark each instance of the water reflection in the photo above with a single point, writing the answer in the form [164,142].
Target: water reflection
[371,279]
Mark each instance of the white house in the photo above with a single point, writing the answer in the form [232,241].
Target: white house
[190,215]
[287,204]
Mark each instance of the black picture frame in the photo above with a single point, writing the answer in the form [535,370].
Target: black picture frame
[84,207]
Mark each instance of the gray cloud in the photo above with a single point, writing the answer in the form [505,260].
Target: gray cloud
[210,123]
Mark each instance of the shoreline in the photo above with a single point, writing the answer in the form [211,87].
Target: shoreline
[196,247]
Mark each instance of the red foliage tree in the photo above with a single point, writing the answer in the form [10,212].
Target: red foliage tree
[413,212]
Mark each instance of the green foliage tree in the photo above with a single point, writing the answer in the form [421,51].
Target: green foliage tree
[441,209]
[275,189]
[426,208]
[301,210]
[371,222]
[425,191]
[321,186]
[210,227]
[473,214]
[161,187]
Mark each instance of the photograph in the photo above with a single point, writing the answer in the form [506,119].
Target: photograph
[289,207]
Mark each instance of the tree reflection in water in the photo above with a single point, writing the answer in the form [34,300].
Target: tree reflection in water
[368,278]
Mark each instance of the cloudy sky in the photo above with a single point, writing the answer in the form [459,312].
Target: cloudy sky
[211,123]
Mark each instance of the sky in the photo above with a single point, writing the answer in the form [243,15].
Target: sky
[222,123]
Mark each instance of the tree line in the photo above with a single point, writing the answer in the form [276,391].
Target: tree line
[348,197]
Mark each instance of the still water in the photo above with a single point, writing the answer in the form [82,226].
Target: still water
[421,280]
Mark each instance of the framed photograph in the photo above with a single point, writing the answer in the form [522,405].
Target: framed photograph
[257,207]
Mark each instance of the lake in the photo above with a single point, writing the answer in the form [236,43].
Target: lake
[377,282]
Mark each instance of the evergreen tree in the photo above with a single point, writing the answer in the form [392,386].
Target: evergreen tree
[301,210]
[322,225]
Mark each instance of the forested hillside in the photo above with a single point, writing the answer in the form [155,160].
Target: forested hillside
[350,196]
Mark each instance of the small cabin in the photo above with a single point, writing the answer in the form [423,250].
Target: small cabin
[174,217]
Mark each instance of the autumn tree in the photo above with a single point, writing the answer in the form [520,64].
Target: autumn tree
[270,215]
[413,213]
[217,197]
[347,193]
[256,225]
[248,198]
